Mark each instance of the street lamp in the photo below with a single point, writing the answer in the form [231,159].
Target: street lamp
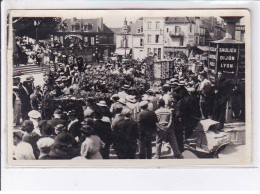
[125,34]
[36,24]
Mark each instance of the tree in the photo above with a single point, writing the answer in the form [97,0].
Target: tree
[35,26]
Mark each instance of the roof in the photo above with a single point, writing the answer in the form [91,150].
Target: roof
[107,29]
[179,20]
[116,30]
[136,25]
[227,41]
[95,22]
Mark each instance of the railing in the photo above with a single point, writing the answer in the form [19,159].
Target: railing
[176,34]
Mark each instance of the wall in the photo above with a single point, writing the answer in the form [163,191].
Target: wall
[153,32]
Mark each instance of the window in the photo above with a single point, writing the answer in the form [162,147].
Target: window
[167,30]
[90,27]
[142,29]
[77,27]
[177,29]
[139,30]
[85,39]
[92,40]
[149,51]
[141,42]
[157,25]
[155,51]
[149,25]
[159,53]
[157,38]
[190,28]
[149,38]
[181,42]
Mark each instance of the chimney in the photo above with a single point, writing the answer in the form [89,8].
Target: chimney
[231,26]
[100,24]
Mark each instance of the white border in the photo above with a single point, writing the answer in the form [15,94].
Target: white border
[206,178]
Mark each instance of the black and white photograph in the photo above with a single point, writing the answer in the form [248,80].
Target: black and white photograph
[128,87]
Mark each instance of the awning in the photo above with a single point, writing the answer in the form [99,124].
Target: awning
[122,51]
[203,48]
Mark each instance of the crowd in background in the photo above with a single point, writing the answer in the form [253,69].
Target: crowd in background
[83,111]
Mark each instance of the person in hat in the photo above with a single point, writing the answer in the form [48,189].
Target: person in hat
[223,92]
[16,106]
[206,95]
[74,124]
[89,108]
[131,103]
[62,148]
[164,130]
[103,109]
[30,136]
[146,121]
[44,146]
[125,136]
[153,99]
[56,119]
[35,117]
[103,130]
[22,150]
[114,98]
[24,96]
[90,148]
[36,98]
[124,91]
[118,109]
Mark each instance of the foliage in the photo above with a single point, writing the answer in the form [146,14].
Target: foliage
[30,26]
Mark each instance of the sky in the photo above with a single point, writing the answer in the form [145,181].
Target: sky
[115,18]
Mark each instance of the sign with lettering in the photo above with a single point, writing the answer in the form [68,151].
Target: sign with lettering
[227,59]
[240,28]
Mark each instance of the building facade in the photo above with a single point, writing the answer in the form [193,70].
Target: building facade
[90,37]
[162,36]
[154,36]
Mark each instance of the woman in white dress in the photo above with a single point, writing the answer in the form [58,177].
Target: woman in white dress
[90,148]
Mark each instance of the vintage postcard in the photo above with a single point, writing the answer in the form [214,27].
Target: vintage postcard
[128,88]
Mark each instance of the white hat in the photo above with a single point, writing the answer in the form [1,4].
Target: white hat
[143,103]
[122,101]
[105,119]
[45,142]
[131,98]
[145,97]
[102,103]
[34,114]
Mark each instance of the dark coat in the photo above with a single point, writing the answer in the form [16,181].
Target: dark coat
[103,130]
[125,134]
[74,129]
[146,121]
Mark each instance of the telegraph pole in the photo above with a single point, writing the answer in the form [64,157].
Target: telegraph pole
[125,34]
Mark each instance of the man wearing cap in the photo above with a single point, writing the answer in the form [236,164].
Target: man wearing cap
[146,121]
[44,146]
[125,136]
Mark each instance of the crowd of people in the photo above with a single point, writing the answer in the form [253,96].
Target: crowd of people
[84,111]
